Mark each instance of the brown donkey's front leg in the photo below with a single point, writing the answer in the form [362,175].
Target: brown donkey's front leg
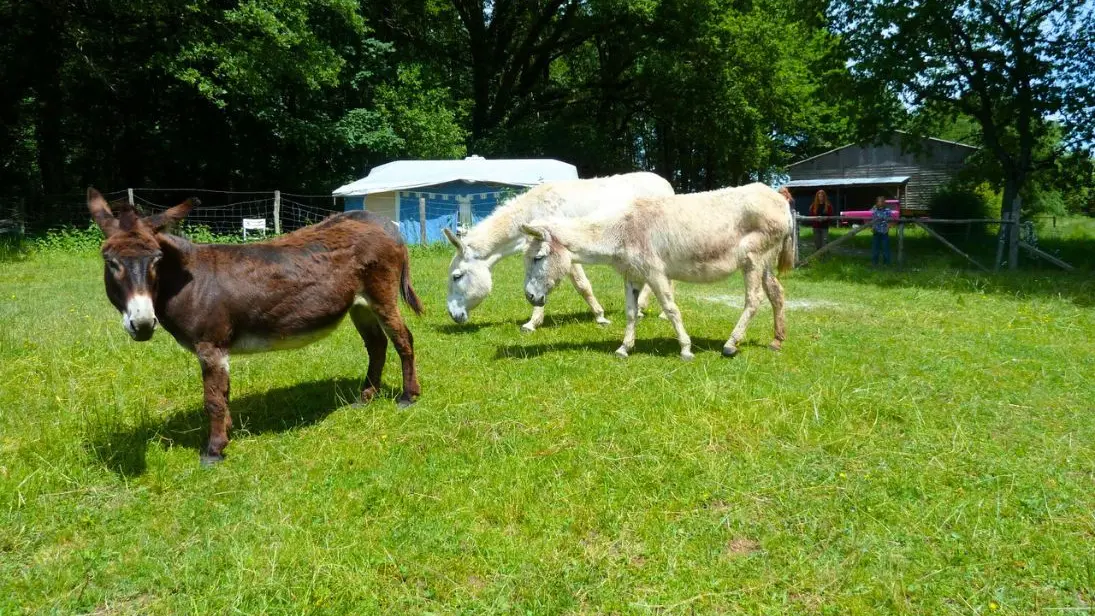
[214,364]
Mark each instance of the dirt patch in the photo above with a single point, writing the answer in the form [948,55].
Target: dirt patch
[740,546]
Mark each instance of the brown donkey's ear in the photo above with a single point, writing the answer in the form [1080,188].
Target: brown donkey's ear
[101,213]
[163,220]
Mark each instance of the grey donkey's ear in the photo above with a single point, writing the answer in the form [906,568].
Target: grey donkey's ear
[536,232]
[454,240]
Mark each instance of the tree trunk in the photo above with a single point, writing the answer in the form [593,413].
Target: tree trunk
[50,99]
[1010,209]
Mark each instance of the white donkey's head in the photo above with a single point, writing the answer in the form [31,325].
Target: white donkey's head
[469,279]
[547,261]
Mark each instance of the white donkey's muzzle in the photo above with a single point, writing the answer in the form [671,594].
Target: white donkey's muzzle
[139,318]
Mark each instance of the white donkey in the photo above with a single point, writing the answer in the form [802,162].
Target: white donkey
[499,235]
[702,237]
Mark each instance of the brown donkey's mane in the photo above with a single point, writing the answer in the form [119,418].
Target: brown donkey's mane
[218,299]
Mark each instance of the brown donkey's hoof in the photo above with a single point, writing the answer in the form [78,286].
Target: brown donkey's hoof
[404,402]
[209,460]
[366,397]
[776,345]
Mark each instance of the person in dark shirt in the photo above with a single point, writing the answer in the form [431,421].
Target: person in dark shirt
[880,225]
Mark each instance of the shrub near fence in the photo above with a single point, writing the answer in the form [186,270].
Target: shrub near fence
[420,214]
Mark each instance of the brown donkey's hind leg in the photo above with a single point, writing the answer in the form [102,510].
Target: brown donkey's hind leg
[376,344]
[401,337]
[214,364]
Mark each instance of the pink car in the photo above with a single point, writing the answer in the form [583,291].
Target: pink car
[895,211]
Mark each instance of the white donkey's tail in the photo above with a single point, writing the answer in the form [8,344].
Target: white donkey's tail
[788,254]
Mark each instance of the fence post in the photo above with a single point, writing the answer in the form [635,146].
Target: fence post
[129,196]
[798,250]
[1004,230]
[422,218]
[1013,234]
[900,244]
[277,212]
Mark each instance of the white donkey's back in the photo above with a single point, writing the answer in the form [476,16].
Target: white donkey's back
[702,237]
[581,198]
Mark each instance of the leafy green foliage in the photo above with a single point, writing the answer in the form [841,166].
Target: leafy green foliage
[408,119]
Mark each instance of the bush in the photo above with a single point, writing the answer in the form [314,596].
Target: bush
[962,203]
[69,240]
[1045,203]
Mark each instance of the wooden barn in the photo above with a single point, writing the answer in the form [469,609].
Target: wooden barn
[909,169]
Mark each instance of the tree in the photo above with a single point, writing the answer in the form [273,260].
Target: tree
[1011,65]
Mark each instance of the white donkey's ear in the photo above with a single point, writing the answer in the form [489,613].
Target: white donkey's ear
[456,241]
[536,232]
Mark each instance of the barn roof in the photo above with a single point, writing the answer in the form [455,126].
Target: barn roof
[888,180]
[899,132]
[408,174]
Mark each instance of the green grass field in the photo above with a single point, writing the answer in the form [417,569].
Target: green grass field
[925,443]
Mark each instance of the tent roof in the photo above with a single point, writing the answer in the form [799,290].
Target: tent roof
[408,174]
[888,180]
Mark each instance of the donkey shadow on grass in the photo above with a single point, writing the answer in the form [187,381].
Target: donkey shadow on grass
[661,346]
[122,448]
[550,320]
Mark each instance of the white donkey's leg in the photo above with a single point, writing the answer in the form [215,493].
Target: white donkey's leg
[581,283]
[536,320]
[631,295]
[663,290]
[753,294]
[644,298]
[774,290]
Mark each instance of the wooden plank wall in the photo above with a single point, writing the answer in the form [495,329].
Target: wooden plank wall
[929,168]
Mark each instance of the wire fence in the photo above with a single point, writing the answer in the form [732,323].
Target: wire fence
[421,215]
[981,243]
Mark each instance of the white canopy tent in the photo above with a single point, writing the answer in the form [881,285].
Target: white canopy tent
[424,197]
[411,174]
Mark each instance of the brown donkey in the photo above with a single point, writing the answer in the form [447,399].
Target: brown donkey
[279,294]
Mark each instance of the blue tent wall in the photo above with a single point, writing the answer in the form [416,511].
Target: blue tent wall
[353,203]
[442,207]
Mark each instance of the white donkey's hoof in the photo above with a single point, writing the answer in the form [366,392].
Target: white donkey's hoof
[729,351]
[663,316]
[603,321]
[621,353]
[528,328]
[687,356]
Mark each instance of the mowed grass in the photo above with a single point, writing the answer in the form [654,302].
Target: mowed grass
[925,443]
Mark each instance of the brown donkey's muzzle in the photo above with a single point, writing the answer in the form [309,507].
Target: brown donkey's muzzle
[139,317]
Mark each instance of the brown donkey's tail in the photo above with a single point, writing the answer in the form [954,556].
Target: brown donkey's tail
[405,288]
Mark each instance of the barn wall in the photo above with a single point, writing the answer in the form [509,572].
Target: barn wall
[928,170]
